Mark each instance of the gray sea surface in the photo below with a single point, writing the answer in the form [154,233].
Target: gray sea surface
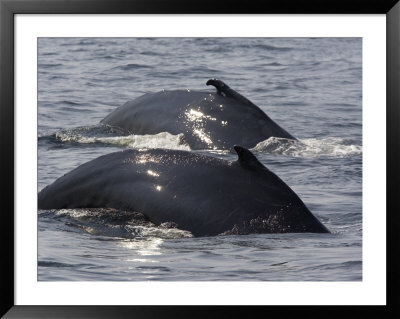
[312,87]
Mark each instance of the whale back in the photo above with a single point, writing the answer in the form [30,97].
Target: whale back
[208,120]
[202,194]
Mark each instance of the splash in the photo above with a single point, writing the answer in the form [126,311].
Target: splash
[160,140]
[108,222]
[331,146]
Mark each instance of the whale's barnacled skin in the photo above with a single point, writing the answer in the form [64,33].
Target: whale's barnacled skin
[201,194]
[208,120]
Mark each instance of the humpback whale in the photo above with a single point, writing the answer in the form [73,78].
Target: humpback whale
[205,195]
[207,120]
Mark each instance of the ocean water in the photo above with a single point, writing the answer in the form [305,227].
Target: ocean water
[312,87]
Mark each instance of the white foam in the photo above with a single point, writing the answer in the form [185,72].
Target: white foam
[160,233]
[160,140]
[101,227]
[74,213]
[331,146]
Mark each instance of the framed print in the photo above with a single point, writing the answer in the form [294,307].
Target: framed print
[174,159]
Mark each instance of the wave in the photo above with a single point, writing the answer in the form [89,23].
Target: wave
[160,140]
[107,135]
[132,66]
[331,146]
[108,222]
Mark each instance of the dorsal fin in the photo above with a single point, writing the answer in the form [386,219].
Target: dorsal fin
[227,91]
[247,159]
[219,85]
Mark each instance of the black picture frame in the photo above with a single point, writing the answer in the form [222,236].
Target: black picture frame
[8,8]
